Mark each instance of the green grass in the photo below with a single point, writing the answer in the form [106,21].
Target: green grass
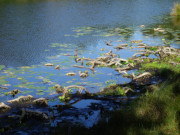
[153,48]
[113,90]
[110,91]
[157,112]
[163,68]
[176,9]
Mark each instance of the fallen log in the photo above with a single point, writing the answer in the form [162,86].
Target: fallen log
[141,54]
[4,107]
[26,114]
[108,44]
[57,67]
[83,74]
[119,47]
[3,87]
[49,64]
[70,74]
[21,99]
[80,88]
[144,75]
[75,52]
[40,102]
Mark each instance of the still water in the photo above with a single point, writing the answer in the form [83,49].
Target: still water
[35,33]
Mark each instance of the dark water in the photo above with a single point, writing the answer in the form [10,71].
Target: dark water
[35,33]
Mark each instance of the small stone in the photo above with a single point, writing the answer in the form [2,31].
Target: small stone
[40,102]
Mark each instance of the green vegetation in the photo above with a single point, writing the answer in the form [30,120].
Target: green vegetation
[162,67]
[130,61]
[65,98]
[153,48]
[176,9]
[62,98]
[165,66]
[156,112]
[112,91]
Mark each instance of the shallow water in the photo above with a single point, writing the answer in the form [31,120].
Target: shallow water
[35,33]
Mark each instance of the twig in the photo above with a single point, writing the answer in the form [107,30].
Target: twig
[83,67]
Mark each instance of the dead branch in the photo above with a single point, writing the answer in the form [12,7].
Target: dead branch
[142,45]
[57,67]
[83,67]
[75,52]
[83,74]
[21,99]
[141,54]
[35,114]
[108,44]
[3,87]
[121,72]
[146,74]
[110,54]
[4,107]
[82,61]
[40,102]
[119,47]
[127,89]
[49,64]
[80,88]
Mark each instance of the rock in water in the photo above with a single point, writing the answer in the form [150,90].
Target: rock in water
[40,102]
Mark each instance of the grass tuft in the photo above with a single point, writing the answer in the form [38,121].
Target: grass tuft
[176,9]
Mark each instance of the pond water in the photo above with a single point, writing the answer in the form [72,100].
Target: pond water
[35,33]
